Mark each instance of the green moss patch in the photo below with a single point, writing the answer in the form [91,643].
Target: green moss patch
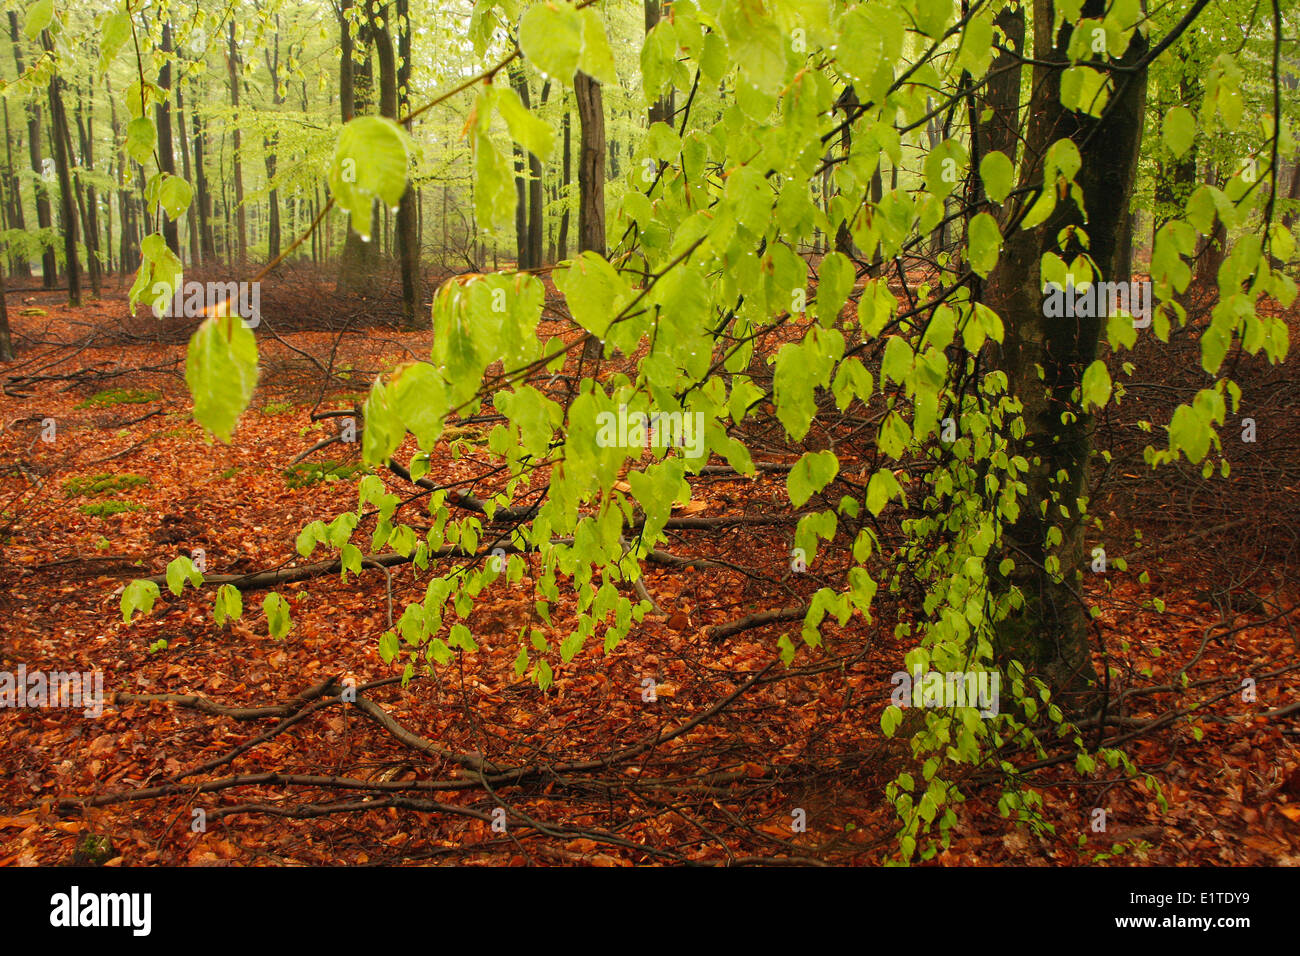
[106,509]
[121,396]
[105,483]
[308,473]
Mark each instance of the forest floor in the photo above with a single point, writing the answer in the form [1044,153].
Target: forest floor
[749,742]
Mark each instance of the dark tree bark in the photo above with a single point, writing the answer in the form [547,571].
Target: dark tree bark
[44,215]
[591,178]
[357,260]
[409,220]
[241,224]
[163,117]
[566,179]
[269,144]
[663,109]
[90,211]
[128,246]
[1001,94]
[529,225]
[6,340]
[63,166]
[407,242]
[18,263]
[202,191]
[1049,635]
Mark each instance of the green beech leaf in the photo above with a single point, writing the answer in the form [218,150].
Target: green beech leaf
[277,615]
[370,160]
[138,596]
[1179,130]
[996,171]
[39,16]
[811,474]
[221,372]
[550,34]
[1096,385]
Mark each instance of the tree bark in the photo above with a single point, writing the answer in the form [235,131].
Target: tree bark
[1001,131]
[591,179]
[90,214]
[62,164]
[6,340]
[269,144]
[664,108]
[44,214]
[163,117]
[562,240]
[1049,634]
[19,265]
[357,260]
[241,224]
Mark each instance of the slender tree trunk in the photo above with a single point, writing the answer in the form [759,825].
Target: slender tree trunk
[269,145]
[191,213]
[202,191]
[357,260]
[1049,634]
[591,179]
[241,225]
[90,213]
[6,340]
[5,337]
[662,110]
[126,260]
[163,118]
[63,166]
[566,179]
[408,223]
[18,263]
[521,209]
[44,215]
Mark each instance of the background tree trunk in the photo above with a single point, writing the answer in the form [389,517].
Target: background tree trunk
[408,218]
[163,116]
[44,216]
[241,225]
[357,260]
[6,340]
[591,178]
[62,164]
[90,214]
[566,179]
[269,144]
[18,263]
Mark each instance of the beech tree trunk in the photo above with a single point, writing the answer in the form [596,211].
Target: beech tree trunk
[18,263]
[357,260]
[566,179]
[408,210]
[163,117]
[591,178]
[664,108]
[63,167]
[269,144]
[241,224]
[44,215]
[6,340]
[1049,634]
[90,212]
